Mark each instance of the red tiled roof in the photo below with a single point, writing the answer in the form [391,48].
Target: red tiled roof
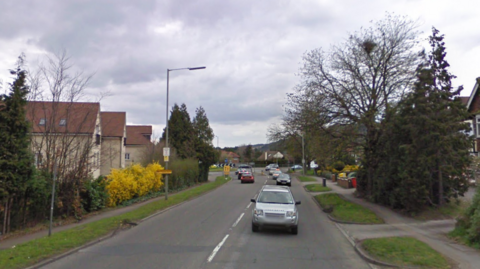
[136,134]
[113,123]
[79,118]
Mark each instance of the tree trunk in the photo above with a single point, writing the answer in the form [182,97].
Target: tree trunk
[10,202]
[5,214]
[440,183]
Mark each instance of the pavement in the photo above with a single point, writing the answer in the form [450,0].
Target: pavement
[431,232]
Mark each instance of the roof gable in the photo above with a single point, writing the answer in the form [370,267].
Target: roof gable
[62,117]
[473,104]
[113,123]
[137,134]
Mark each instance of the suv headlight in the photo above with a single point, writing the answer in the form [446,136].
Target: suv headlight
[291,214]
[258,212]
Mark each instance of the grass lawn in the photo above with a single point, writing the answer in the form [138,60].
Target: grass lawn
[306,179]
[37,250]
[344,210]
[448,211]
[404,251]
[316,188]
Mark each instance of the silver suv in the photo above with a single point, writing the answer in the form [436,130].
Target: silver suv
[275,207]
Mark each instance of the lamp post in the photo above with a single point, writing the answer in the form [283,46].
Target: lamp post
[303,154]
[166,124]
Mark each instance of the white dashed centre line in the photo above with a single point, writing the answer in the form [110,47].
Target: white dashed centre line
[238,220]
[249,205]
[217,248]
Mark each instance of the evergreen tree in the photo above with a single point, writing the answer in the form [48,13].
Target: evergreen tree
[181,133]
[201,126]
[425,145]
[15,156]
[205,152]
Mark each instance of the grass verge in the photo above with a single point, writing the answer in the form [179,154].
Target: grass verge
[306,179]
[347,211]
[33,252]
[316,188]
[404,251]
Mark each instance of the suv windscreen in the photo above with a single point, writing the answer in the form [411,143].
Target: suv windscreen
[274,197]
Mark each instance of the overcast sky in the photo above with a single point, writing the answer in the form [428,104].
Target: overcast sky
[251,49]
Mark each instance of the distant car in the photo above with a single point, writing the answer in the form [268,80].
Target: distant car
[242,166]
[271,166]
[276,174]
[296,167]
[273,170]
[275,207]
[284,179]
[247,176]
[243,170]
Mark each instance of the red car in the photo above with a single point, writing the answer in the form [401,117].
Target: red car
[247,176]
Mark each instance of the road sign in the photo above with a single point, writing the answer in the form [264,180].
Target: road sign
[165,172]
[165,158]
[226,160]
[166,152]
[226,170]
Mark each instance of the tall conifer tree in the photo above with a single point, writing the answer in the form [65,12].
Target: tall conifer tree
[15,156]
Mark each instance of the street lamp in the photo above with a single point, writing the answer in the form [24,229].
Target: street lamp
[166,140]
[303,154]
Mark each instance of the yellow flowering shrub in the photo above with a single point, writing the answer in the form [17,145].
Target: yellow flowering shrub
[347,168]
[133,181]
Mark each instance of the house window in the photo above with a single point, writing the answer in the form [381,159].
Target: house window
[97,139]
[42,122]
[63,122]
[127,156]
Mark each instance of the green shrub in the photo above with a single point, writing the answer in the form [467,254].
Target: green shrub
[185,173]
[469,222]
[94,196]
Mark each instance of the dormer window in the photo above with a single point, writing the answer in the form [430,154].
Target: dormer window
[42,122]
[63,122]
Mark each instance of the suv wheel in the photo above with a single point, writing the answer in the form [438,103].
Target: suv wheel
[254,228]
[295,230]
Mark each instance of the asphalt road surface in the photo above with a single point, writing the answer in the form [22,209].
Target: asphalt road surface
[214,231]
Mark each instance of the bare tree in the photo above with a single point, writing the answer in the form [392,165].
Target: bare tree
[356,82]
[65,131]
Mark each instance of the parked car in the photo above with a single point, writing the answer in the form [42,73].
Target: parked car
[284,179]
[276,173]
[275,207]
[296,167]
[247,176]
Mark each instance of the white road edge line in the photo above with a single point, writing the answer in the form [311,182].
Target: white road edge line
[217,248]
[238,220]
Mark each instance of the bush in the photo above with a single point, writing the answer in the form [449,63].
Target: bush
[185,173]
[471,220]
[133,181]
[94,195]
